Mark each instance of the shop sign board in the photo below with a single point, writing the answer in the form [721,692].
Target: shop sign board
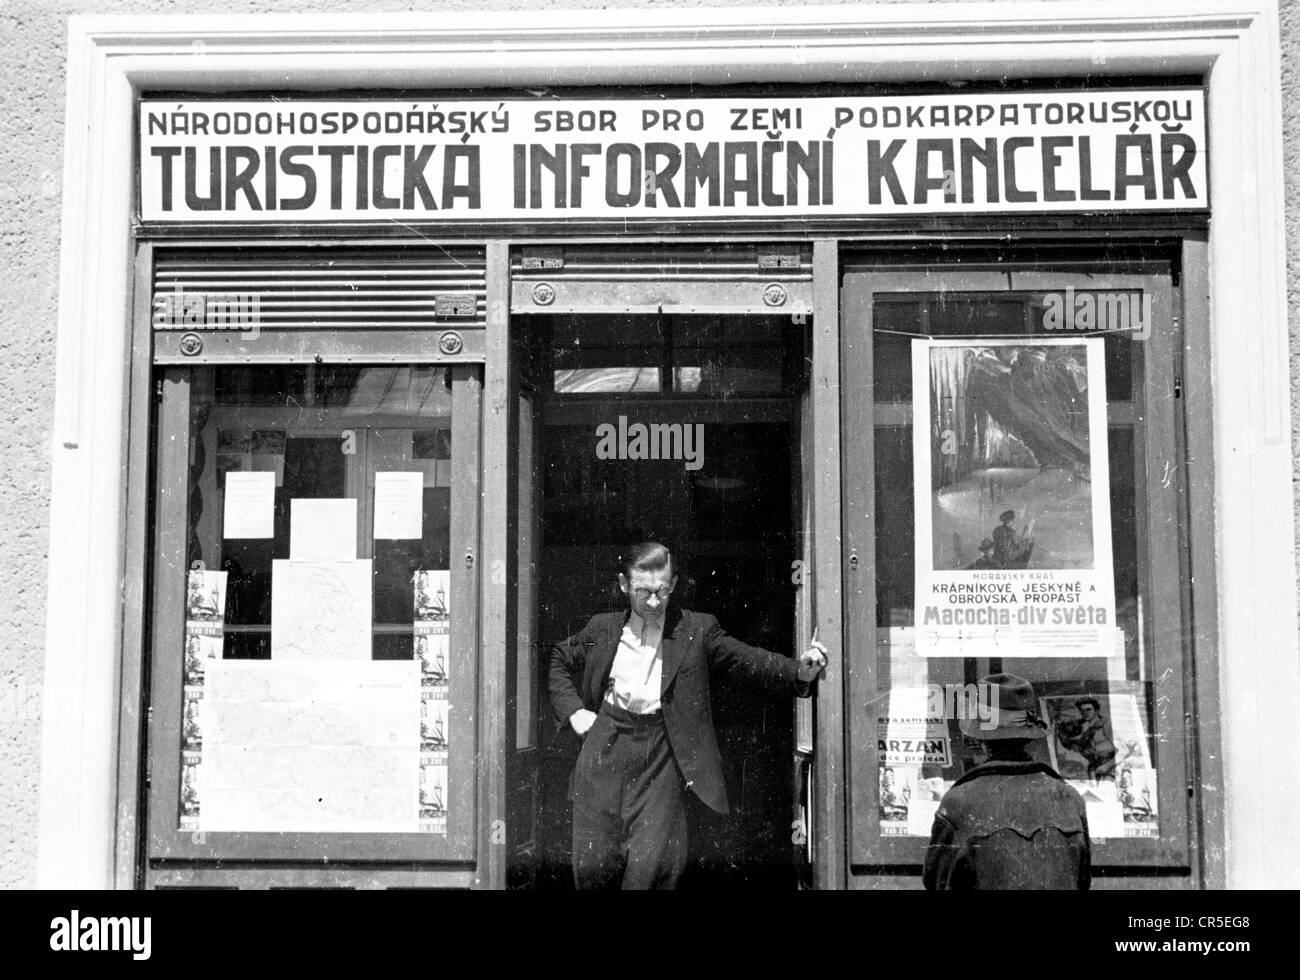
[673,159]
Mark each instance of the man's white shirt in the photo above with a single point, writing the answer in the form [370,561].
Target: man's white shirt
[637,672]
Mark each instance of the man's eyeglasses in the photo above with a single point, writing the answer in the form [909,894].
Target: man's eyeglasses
[660,594]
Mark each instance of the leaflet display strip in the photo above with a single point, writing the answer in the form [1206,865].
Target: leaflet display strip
[205,611]
[432,628]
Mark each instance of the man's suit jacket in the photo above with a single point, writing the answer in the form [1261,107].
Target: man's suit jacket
[694,647]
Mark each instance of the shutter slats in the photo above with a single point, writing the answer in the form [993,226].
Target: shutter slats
[318,289]
[290,304]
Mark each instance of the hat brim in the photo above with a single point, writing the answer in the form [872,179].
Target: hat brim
[1028,730]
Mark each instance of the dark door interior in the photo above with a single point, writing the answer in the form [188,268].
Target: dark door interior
[729,513]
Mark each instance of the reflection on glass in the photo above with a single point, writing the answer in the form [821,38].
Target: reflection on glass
[606,380]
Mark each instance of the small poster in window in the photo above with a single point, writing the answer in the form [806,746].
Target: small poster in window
[192,718]
[432,595]
[1099,744]
[1139,801]
[432,628]
[434,730]
[190,799]
[1013,531]
[431,649]
[1092,737]
[433,795]
[897,787]
[205,597]
[200,647]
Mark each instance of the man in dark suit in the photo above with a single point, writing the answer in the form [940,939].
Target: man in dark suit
[635,686]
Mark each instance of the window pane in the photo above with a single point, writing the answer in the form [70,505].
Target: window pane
[1103,734]
[312,674]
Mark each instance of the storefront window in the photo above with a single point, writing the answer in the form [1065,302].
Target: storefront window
[1023,524]
[318,680]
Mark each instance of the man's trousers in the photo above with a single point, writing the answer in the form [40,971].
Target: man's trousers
[629,812]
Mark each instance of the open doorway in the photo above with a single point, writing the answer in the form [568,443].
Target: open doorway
[683,429]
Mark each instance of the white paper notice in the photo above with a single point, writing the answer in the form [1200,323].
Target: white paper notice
[920,817]
[1105,819]
[323,529]
[320,610]
[325,747]
[249,506]
[399,505]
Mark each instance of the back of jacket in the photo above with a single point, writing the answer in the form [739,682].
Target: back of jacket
[1010,825]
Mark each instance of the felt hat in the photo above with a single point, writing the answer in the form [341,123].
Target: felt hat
[1007,709]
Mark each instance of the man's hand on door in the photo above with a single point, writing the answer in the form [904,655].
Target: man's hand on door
[812,662]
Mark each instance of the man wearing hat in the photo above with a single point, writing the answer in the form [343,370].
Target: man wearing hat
[1011,823]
